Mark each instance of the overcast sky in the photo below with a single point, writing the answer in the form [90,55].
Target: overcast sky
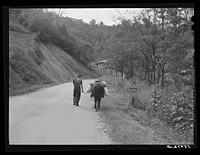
[106,15]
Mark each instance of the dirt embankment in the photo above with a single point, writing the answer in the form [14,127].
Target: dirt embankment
[34,64]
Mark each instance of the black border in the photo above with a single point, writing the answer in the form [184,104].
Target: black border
[28,148]
[135,4]
[6,70]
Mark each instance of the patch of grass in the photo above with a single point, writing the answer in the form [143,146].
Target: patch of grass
[122,127]
[15,26]
[29,89]
[27,69]
[15,81]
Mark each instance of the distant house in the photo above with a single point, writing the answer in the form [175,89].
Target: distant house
[100,63]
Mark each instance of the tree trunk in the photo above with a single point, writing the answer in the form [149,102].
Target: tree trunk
[151,76]
[158,76]
[163,76]
[122,71]
[147,74]
[144,74]
[131,69]
[154,71]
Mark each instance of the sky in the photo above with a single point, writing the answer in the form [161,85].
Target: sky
[106,15]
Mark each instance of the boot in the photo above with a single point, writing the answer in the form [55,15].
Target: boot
[74,100]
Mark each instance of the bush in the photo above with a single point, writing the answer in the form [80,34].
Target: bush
[42,26]
[15,26]
[47,33]
[174,107]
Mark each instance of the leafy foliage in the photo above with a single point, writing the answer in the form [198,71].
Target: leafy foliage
[174,107]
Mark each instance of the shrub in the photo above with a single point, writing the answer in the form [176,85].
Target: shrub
[174,107]
[15,26]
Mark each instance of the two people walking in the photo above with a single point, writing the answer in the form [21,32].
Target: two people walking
[78,88]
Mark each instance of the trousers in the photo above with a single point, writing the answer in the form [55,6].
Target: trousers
[76,96]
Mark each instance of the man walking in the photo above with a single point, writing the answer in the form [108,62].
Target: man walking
[78,85]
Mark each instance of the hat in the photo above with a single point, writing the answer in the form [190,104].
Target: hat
[97,80]
[79,75]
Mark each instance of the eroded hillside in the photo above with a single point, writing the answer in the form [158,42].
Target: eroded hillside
[34,63]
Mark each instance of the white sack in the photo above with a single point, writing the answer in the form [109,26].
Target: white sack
[88,90]
[106,91]
[104,83]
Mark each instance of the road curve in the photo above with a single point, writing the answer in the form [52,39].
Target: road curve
[48,116]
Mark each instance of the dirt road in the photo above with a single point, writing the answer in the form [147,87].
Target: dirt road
[48,116]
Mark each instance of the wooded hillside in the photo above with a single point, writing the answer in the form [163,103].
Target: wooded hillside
[39,54]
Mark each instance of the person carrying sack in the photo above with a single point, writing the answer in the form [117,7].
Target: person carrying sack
[78,86]
[95,82]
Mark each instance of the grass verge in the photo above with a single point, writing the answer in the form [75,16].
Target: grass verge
[30,89]
[132,125]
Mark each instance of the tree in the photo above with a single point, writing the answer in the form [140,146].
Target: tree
[101,23]
[88,52]
[93,22]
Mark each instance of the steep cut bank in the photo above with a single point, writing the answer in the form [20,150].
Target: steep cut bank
[32,63]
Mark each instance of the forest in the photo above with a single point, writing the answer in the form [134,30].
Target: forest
[156,46]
